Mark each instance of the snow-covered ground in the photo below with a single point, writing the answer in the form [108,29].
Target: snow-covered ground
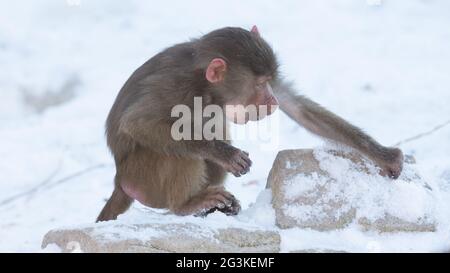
[383,65]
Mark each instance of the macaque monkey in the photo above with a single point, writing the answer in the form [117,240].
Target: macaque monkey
[228,66]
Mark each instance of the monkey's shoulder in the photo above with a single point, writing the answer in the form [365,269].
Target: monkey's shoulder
[175,57]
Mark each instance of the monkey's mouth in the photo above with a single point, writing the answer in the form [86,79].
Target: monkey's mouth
[237,119]
[236,114]
[246,116]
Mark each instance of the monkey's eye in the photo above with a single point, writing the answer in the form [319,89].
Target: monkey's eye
[261,84]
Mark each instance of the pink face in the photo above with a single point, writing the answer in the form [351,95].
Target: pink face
[264,96]
[260,103]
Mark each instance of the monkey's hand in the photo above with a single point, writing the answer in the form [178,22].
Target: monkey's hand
[238,163]
[234,160]
[391,163]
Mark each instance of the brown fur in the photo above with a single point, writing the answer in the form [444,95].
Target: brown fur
[187,176]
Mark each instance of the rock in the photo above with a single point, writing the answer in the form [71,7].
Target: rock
[327,190]
[317,189]
[394,224]
[116,237]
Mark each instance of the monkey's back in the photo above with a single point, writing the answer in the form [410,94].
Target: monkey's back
[145,87]
[144,172]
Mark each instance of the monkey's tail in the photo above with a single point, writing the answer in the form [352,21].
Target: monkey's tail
[117,204]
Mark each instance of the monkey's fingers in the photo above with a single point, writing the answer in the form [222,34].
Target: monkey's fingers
[245,162]
[233,209]
[248,161]
[234,168]
[392,167]
[208,206]
[391,173]
[245,167]
[221,200]
[217,201]
[232,205]
[204,212]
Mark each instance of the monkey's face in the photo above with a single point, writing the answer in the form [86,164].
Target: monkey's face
[254,102]
[247,97]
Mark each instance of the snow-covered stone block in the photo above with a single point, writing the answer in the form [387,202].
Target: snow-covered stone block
[117,236]
[326,189]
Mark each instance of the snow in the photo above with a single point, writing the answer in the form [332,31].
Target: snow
[383,67]
[358,186]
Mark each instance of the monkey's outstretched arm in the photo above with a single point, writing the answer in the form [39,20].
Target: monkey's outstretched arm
[322,122]
[155,134]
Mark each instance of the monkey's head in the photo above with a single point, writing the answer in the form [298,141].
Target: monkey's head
[239,67]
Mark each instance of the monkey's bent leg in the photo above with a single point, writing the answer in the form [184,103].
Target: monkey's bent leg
[213,197]
[216,177]
[117,204]
[183,185]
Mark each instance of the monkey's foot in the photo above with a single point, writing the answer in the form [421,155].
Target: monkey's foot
[212,199]
[232,209]
[392,164]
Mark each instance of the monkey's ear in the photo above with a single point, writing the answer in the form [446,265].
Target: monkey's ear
[255,30]
[216,70]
